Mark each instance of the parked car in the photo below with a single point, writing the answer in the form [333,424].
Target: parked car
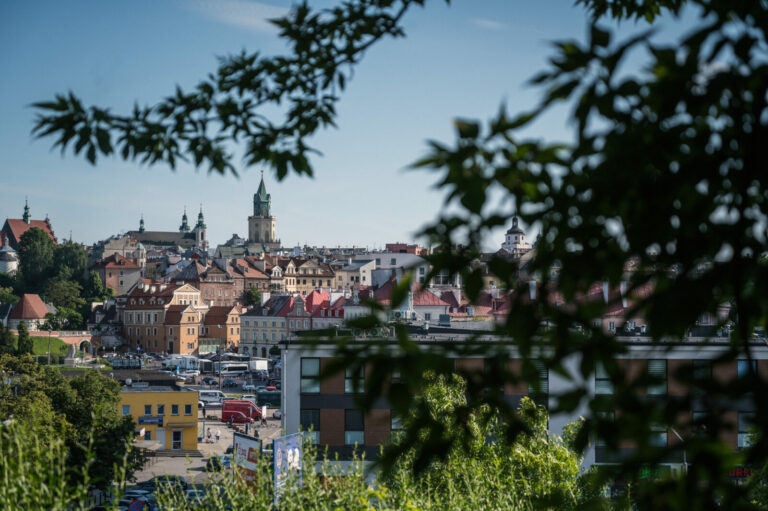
[237,418]
[249,397]
[271,387]
[260,388]
[210,381]
[195,497]
[229,382]
[277,414]
[159,481]
[249,386]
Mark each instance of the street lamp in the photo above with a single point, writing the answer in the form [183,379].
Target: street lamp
[685,462]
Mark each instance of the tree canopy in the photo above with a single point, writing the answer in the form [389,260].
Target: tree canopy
[663,176]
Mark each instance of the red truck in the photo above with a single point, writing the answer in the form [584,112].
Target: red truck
[240,411]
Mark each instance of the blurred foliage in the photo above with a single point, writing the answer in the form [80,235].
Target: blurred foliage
[661,187]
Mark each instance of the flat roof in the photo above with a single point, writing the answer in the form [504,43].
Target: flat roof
[156,388]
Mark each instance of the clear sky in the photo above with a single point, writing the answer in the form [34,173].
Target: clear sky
[457,61]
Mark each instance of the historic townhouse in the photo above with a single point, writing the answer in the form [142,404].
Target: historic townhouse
[144,310]
[118,273]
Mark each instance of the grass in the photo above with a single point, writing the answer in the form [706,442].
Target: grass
[41,346]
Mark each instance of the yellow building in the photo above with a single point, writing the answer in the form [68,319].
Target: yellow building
[166,415]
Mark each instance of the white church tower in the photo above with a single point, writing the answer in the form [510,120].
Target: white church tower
[514,241]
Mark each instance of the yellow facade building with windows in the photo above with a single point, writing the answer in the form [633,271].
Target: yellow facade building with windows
[162,414]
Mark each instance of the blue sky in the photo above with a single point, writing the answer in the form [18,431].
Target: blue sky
[457,61]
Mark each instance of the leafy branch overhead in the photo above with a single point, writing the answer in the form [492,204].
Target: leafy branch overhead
[229,107]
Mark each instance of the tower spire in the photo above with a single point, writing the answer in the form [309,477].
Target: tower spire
[27,217]
[200,218]
[141,223]
[184,227]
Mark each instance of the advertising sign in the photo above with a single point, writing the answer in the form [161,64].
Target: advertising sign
[247,451]
[151,420]
[287,458]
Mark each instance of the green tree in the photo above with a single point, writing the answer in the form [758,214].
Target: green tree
[94,290]
[73,256]
[7,296]
[663,175]
[481,469]
[81,411]
[35,258]
[7,340]
[25,344]
[64,293]
[253,296]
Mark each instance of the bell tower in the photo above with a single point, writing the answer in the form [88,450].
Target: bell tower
[261,226]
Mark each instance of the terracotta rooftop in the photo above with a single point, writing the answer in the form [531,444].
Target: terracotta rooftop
[15,227]
[29,307]
[116,261]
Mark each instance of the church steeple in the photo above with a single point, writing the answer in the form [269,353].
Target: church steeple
[262,201]
[200,219]
[141,223]
[27,217]
[184,227]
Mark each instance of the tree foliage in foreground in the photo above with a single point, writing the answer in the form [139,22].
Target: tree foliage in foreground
[81,412]
[665,175]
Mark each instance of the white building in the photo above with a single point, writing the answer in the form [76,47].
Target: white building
[514,241]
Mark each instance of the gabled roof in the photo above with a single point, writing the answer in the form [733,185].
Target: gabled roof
[174,313]
[15,227]
[29,307]
[218,315]
[423,297]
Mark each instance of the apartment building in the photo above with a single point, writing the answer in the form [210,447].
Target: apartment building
[327,406]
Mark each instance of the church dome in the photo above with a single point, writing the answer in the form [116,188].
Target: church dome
[515,229]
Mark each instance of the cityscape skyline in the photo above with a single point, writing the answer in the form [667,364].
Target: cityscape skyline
[145,49]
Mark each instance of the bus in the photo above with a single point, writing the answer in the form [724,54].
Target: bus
[230,368]
[183,362]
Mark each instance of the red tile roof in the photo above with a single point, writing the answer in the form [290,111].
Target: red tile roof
[116,261]
[218,315]
[17,227]
[29,307]
[425,298]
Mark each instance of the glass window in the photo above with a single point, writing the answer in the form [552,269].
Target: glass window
[310,422]
[603,384]
[541,385]
[746,421]
[702,372]
[306,324]
[354,380]
[657,371]
[310,370]
[393,261]
[354,431]
[187,409]
[126,409]
[174,409]
[147,409]
[395,422]
[161,409]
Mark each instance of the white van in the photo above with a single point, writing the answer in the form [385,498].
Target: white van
[211,396]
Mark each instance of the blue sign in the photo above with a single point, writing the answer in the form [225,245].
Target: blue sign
[287,458]
[151,420]
[136,505]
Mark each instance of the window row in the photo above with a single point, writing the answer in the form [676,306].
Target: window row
[126,410]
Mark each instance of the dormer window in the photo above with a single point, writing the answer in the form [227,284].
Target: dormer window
[160,301]
[133,302]
[141,301]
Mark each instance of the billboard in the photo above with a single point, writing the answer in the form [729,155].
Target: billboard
[247,451]
[287,454]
